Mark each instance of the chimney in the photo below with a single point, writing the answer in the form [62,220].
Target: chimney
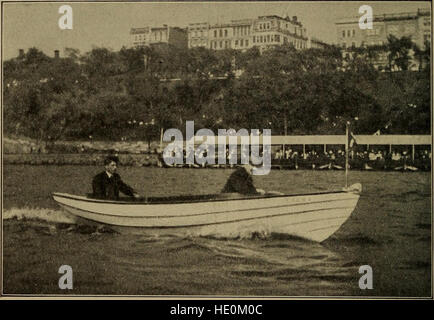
[20,53]
[294,18]
[56,54]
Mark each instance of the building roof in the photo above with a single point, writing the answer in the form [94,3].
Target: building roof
[139,30]
[294,20]
[387,17]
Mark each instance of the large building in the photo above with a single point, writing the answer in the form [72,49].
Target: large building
[159,35]
[198,35]
[233,35]
[274,30]
[263,32]
[416,25]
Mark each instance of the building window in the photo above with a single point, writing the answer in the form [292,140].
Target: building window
[268,38]
[241,42]
[344,45]
[277,38]
[354,32]
[215,33]
[254,39]
[226,33]
[236,42]
[260,39]
[353,44]
[247,43]
[221,44]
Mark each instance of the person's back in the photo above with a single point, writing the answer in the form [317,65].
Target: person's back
[240,181]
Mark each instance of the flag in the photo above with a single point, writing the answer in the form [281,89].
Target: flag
[352,140]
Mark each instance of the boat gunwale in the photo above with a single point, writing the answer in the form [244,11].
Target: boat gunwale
[162,202]
[220,222]
[203,213]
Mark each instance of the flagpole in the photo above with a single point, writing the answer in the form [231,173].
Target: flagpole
[346,155]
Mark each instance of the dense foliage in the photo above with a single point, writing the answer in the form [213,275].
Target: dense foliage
[133,94]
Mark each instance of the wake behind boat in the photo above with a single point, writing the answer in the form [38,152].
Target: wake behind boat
[314,216]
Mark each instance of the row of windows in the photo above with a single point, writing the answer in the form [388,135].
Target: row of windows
[348,33]
[298,44]
[156,36]
[220,33]
[140,37]
[220,44]
[159,36]
[242,31]
[242,42]
[227,44]
[264,26]
[198,33]
[265,39]
[367,43]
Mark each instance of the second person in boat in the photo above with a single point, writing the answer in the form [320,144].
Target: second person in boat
[241,181]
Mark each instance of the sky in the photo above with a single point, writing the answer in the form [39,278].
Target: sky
[107,24]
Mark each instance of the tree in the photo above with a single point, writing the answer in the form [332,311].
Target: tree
[399,52]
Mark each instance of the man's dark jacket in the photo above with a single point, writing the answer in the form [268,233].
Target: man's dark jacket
[108,188]
[240,181]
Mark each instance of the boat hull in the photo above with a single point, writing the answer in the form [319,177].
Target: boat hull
[313,216]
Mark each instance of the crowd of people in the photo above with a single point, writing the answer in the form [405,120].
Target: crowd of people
[328,160]
[361,160]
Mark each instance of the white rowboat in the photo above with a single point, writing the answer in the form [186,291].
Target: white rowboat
[313,216]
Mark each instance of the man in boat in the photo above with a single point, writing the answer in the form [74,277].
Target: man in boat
[241,181]
[107,184]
